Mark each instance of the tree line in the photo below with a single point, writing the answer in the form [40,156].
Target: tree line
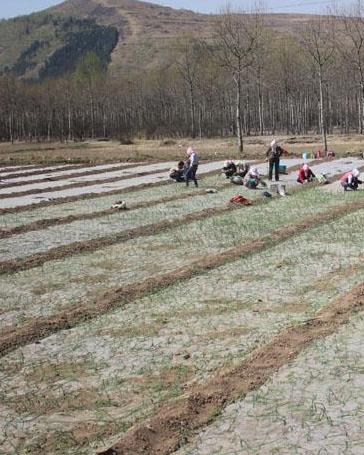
[247,79]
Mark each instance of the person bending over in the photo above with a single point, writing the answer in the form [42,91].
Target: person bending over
[177,173]
[229,169]
[253,178]
[351,180]
[305,174]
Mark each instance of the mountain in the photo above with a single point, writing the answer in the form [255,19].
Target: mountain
[146,31]
[46,45]
[127,35]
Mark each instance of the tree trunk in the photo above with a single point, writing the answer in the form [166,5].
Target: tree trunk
[362,107]
[260,107]
[11,132]
[322,113]
[193,110]
[92,116]
[239,132]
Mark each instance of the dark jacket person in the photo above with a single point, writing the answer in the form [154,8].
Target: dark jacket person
[273,156]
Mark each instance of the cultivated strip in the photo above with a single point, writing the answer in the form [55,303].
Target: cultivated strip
[81,184]
[173,424]
[28,172]
[45,223]
[37,259]
[39,328]
[10,168]
[65,200]
[91,245]
[82,173]
[134,186]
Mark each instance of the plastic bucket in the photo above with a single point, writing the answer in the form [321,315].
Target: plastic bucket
[273,187]
[282,169]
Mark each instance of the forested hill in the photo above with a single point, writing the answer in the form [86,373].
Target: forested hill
[129,34]
[44,44]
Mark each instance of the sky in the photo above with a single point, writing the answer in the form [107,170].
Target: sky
[12,8]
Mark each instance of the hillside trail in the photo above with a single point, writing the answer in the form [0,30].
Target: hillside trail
[131,34]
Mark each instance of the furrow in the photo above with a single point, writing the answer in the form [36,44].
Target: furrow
[81,173]
[80,184]
[45,223]
[91,245]
[173,423]
[37,259]
[41,170]
[66,199]
[39,328]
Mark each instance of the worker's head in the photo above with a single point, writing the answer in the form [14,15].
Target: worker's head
[273,143]
[189,151]
[305,167]
[254,171]
[356,173]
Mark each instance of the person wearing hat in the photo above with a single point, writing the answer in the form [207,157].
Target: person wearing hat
[236,171]
[351,180]
[273,157]
[305,174]
[253,178]
[229,169]
[242,168]
[193,166]
[176,173]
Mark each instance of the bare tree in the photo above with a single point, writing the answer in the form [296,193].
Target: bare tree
[237,38]
[188,67]
[249,77]
[318,41]
[351,45]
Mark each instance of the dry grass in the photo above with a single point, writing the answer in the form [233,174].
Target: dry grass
[155,150]
[150,32]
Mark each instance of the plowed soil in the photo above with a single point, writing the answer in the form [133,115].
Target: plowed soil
[38,328]
[80,184]
[172,425]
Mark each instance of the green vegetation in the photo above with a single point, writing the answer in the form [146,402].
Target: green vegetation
[48,45]
[119,367]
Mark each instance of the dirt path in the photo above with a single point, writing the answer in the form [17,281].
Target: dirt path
[172,425]
[38,328]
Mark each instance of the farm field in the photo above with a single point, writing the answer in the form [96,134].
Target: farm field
[21,154]
[184,324]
